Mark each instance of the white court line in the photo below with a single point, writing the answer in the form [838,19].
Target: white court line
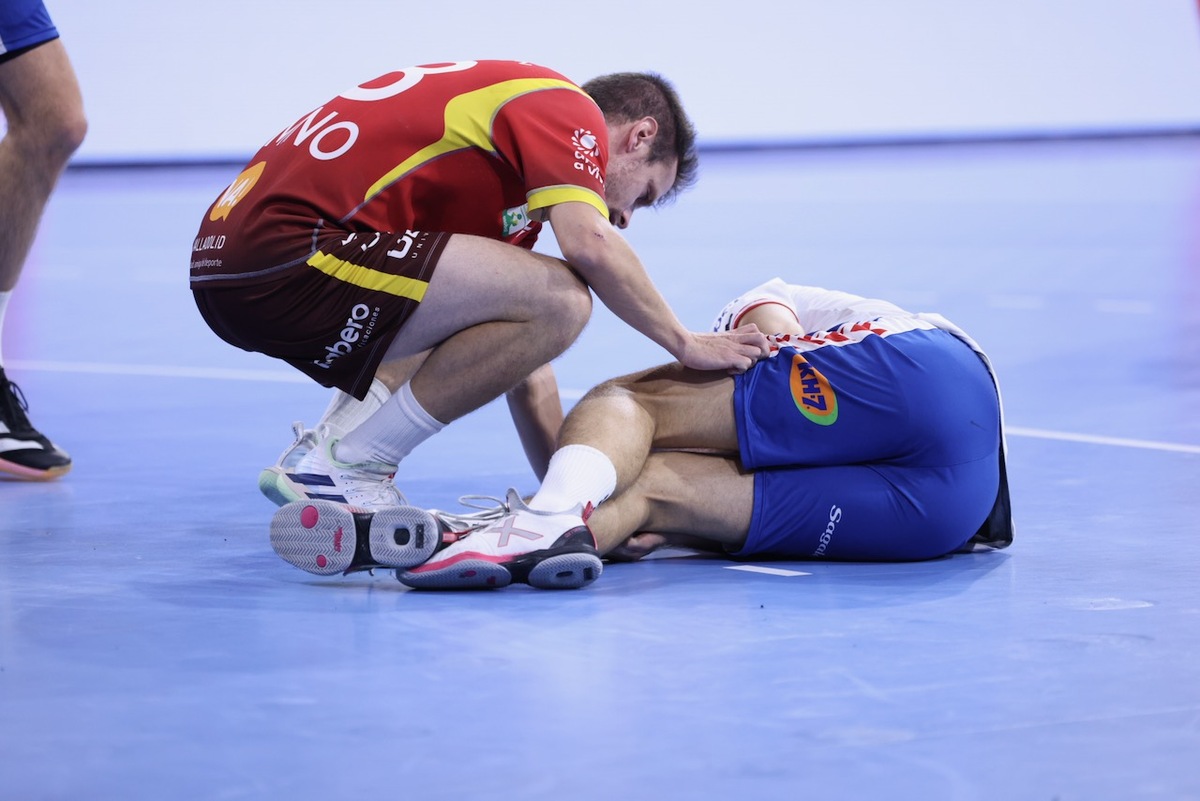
[1092,439]
[567,393]
[163,371]
[770,571]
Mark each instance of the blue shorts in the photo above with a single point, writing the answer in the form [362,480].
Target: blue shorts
[880,448]
[23,24]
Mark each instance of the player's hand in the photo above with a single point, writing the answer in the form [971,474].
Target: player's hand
[735,351]
[637,546]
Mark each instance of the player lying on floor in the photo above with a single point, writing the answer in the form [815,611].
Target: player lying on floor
[871,433]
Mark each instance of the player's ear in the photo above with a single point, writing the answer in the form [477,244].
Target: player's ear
[641,134]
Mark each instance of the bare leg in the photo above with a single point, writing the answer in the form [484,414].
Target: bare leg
[537,413]
[665,407]
[43,109]
[703,497]
[494,313]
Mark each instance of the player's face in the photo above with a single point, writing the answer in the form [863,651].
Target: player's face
[634,182]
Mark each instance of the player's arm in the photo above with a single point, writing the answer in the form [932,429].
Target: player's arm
[537,414]
[605,260]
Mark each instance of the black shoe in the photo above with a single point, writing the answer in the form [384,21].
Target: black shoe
[24,452]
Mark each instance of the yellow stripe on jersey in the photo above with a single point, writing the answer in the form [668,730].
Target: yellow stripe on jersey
[469,124]
[367,278]
[553,195]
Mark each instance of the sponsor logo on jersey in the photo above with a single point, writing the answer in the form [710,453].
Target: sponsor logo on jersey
[237,190]
[835,517]
[514,220]
[585,141]
[210,242]
[586,149]
[812,393]
[355,331]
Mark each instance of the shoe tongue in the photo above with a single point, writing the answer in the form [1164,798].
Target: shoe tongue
[12,408]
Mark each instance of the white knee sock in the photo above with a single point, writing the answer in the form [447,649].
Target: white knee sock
[578,474]
[390,434]
[345,413]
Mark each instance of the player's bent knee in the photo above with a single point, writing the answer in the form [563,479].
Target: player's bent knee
[566,309]
[71,132]
[52,140]
[612,388]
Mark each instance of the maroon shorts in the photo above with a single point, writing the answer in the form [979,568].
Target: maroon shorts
[332,315]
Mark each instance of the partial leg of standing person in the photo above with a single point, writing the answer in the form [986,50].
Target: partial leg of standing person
[43,110]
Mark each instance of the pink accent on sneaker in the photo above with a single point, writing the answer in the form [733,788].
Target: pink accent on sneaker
[321,560]
[337,540]
[454,560]
[309,516]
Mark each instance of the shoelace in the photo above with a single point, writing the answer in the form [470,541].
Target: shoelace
[490,509]
[13,407]
[376,493]
[305,439]
[302,434]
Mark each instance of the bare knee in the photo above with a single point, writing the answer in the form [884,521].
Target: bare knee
[566,309]
[61,135]
[614,389]
[67,133]
[630,394]
[43,108]
[46,141]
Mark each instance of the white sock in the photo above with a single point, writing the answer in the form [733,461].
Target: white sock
[390,434]
[346,413]
[578,474]
[4,296]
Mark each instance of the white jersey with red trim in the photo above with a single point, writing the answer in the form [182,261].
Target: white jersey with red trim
[821,311]
[831,317]
[816,309]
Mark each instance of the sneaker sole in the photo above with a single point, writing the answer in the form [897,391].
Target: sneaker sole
[568,571]
[327,538]
[20,471]
[562,571]
[468,573]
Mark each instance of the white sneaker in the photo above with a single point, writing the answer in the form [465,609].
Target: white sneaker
[327,538]
[318,475]
[273,481]
[543,549]
[456,525]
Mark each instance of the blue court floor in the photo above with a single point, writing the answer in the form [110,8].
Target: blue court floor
[153,647]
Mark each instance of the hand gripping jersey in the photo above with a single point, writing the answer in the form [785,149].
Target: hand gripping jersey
[828,318]
[474,147]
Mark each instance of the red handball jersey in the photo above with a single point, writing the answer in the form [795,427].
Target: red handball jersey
[474,147]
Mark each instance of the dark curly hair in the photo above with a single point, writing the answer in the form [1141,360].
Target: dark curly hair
[626,96]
